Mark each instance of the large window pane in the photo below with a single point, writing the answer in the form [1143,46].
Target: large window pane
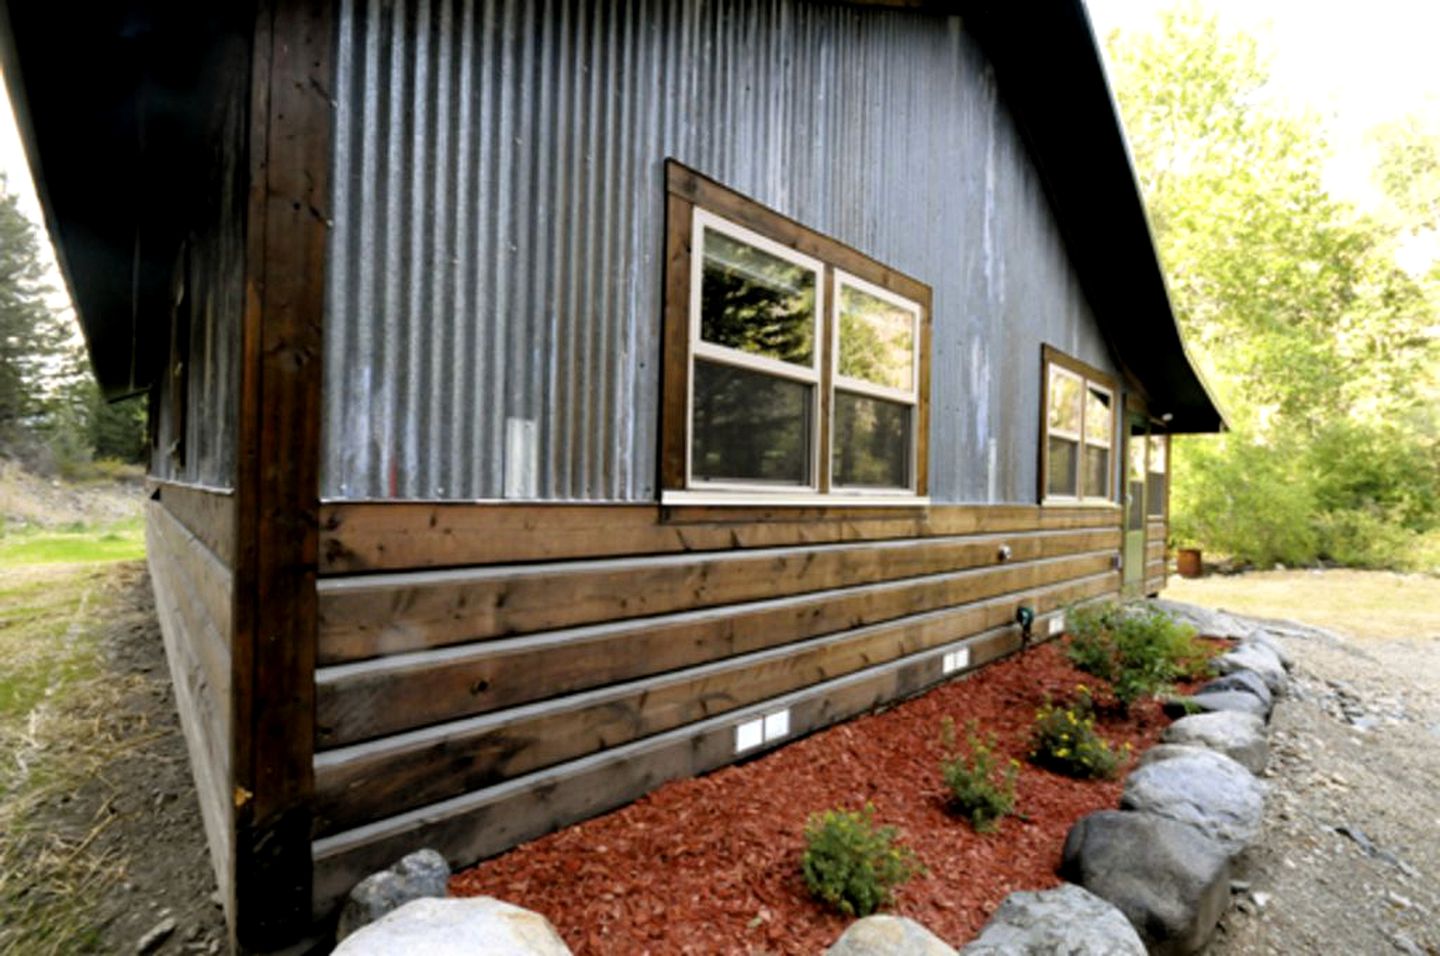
[877,340]
[1060,479]
[1064,412]
[1097,472]
[749,426]
[871,442]
[1099,421]
[756,302]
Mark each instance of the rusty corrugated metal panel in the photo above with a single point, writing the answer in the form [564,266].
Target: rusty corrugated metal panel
[495,305]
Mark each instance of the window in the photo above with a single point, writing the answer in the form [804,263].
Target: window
[794,366]
[1077,462]
[1156,476]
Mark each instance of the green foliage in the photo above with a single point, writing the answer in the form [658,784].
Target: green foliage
[852,865]
[1064,739]
[1138,649]
[1320,346]
[980,789]
[31,336]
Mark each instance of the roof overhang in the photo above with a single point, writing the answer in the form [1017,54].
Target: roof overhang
[115,108]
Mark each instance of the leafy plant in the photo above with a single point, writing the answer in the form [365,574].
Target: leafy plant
[852,865]
[1138,649]
[1064,739]
[980,789]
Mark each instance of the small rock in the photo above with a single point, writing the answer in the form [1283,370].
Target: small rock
[1253,657]
[882,935]
[1261,899]
[157,935]
[1068,919]
[1242,680]
[1239,886]
[456,927]
[421,874]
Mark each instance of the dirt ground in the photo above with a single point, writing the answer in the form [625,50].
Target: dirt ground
[132,827]
[1350,862]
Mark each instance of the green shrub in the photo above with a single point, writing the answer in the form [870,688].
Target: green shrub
[1064,739]
[852,865]
[1137,649]
[980,790]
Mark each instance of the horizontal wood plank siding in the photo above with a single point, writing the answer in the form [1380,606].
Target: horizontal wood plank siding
[1157,533]
[192,599]
[490,672]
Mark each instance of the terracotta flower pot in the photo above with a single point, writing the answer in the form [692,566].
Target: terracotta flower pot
[1187,562]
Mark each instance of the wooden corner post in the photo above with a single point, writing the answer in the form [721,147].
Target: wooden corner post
[277,480]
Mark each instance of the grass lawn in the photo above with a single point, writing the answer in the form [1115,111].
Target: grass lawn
[56,589]
[1378,604]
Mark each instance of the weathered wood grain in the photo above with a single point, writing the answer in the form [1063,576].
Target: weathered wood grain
[387,614]
[207,513]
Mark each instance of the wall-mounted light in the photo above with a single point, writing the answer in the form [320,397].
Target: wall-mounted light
[1166,417]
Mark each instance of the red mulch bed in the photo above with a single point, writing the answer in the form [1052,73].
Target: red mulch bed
[712,865]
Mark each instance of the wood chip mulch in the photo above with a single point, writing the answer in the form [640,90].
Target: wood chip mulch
[712,865]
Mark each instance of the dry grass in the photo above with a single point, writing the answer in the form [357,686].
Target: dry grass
[56,737]
[1374,604]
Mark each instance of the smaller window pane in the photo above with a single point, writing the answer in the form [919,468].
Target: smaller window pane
[1157,454]
[1136,447]
[877,340]
[1064,411]
[1155,495]
[871,443]
[750,427]
[755,302]
[1061,476]
[1097,472]
[1099,422]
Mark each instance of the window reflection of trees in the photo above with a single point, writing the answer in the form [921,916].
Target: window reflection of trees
[757,303]
[877,340]
[750,426]
[872,442]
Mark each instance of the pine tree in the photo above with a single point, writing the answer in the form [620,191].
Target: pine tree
[32,339]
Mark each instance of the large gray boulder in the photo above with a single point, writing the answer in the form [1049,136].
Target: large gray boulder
[1171,882]
[417,875]
[1271,643]
[1247,682]
[1241,737]
[1068,919]
[1207,622]
[1256,658]
[1204,789]
[884,935]
[1217,701]
[456,927]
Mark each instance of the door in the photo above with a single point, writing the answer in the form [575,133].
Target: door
[1133,576]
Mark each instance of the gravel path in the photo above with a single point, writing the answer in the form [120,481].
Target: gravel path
[1350,861]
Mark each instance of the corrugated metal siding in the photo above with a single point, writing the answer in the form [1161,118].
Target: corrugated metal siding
[493,320]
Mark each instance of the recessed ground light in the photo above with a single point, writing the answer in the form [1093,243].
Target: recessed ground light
[955,660]
[1057,624]
[749,735]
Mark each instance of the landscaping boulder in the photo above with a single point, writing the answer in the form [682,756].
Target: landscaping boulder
[1207,623]
[886,935]
[1271,643]
[1238,736]
[1068,919]
[1171,881]
[1247,682]
[456,927]
[1204,789]
[420,874]
[1218,701]
[1256,658]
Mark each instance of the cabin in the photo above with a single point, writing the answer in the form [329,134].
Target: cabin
[552,400]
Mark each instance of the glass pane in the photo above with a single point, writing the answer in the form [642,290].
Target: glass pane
[1157,454]
[749,426]
[1155,494]
[1064,412]
[1097,472]
[1099,422]
[1063,459]
[1135,509]
[877,340]
[755,302]
[871,443]
[1136,447]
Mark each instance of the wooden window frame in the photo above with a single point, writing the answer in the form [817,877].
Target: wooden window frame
[695,202]
[1089,378]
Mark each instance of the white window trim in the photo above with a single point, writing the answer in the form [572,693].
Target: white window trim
[1082,440]
[858,386]
[704,219]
